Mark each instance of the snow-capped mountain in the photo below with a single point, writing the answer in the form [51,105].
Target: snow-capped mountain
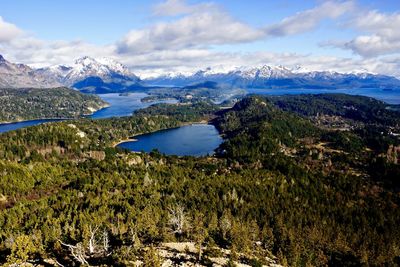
[93,75]
[86,74]
[280,77]
[106,75]
[20,75]
[104,68]
[59,72]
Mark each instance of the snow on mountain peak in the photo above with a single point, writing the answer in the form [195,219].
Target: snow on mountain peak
[266,76]
[84,67]
[260,72]
[115,66]
[86,60]
[264,71]
[100,67]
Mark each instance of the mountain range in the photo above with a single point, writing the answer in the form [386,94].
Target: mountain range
[270,77]
[86,74]
[106,75]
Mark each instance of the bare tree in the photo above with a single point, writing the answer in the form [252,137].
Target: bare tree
[106,243]
[97,246]
[177,219]
[77,252]
[92,240]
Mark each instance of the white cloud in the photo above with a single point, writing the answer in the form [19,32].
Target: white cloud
[189,61]
[39,53]
[8,31]
[309,19]
[382,34]
[373,45]
[180,7]
[184,43]
[199,29]
[374,21]
[205,24]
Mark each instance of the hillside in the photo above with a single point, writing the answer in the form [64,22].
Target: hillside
[29,104]
[19,75]
[279,186]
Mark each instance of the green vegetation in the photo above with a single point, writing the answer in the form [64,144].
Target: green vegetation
[196,92]
[359,108]
[29,104]
[311,195]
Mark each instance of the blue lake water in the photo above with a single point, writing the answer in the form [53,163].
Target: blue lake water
[14,126]
[120,105]
[389,96]
[190,140]
[124,105]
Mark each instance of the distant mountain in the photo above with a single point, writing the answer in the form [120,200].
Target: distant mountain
[279,77]
[106,75]
[94,76]
[20,75]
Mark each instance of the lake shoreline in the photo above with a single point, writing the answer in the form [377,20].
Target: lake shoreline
[132,138]
[195,139]
[129,104]
[57,118]
[39,119]
[125,140]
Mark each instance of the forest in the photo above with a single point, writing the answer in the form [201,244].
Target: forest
[33,103]
[283,185]
[204,91]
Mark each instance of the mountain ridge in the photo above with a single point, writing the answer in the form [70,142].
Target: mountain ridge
[106,75]
[21,75]
[105,68]
[271,77]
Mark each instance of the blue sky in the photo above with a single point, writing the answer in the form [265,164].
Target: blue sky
[153,37]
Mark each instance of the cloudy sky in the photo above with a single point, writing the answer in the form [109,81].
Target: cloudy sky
[153,37]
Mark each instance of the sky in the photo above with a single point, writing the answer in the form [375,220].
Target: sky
[156,37]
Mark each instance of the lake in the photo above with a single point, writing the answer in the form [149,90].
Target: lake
[191,140]
[389,96]
[124,105]
[16,125]
[120,105]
